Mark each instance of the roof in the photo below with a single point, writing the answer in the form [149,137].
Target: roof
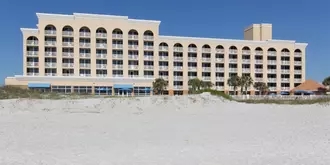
[309,85]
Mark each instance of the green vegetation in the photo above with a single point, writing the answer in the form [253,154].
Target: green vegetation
[215,93]
[290,102]
[159,86]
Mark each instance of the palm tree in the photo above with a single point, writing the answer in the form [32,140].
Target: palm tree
[326,81]
[246,81]
[195,84]
[207,84]
[261,87]
[159,85]
[234,81]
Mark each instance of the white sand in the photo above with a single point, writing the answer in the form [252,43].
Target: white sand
[182,130]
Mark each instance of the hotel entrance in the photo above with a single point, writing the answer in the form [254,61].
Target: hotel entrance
[123,89]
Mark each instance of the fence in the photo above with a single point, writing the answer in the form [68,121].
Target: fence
[279,97]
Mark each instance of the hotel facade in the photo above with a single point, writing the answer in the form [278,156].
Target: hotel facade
[116,55]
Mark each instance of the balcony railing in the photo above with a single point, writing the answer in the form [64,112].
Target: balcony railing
[258,79]
[50,54]
[178,49]
[133,37]
[67,33]
[148,47]
[177,68]
[163,58]
[101,35]
[246,61]
[219,69]
[206,50]
[133,47]
[50,43]
[34,64]
[32,42]
[50,65]
[163,48]
[192,50]
[297,62]
[297,54]
[271,71]
[206,78]
[133,57]
[117,36]
[117,46]
[178,87]
[220,59]
[102,56]
[117,75]
[258,70]
[148,76]
[67,65]
[207,69]
[233,60]
[101,75]
[259,61]
[222,79]
[297,72]
[163,67]
[164,77]
[68,54]
[178,58]
[232,69]
[285,88]
[285,71]
[133,76]
[192,77]
[149,67]
[85,65]
[246,70]
[285,62]
[259,52]
[220,51]
[285,53]
[192,59]
[32,53]
[271,53]
[233,51]
[50,74]
[84,45]
[148,37]
[272,79]
[297,80]
[101,66]
[67,74]
[50,32]
[117,66]
[68,44]
[272,88]
[246,52]
[32,74]
[219,88]
[85,75]
[84,55]
[117,56]
[206,59]
[285,80]
[84,34]
[192,68]
[101,45]
[272,62]
[178,78]
[133,66]
[148,57]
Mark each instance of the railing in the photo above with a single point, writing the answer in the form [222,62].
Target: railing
[233,60]
[219,88]
[192,77]
[67,44]
[178,68]
[178,49]
[101,66]
[178,78]
[192,68]
[148,47]
[297,62]
[220,51]
[206,50]
[99,55]
[148,76]
[84,55]
[85,75]
[101,35]
[272,88]
[271,53]
[192,50]
[101,75]
[285,53]
[50,74]
[192,59]
[222,79]
[116,66]
[32,42]
[178,58]
[117,46]
[259,61]
[101,45]
[246,60]
[271,71]
[245,70]
[259,52]
[68,54]
[84,65]
[163,57]
[271,79]
[297,54]
[133,66]
[67,65]
[117,36]
[148,37]
[32,63]
[67,33]
[148,67]
[178,87]
[133,47]
[148,57]
[285,71]
[67,74]
[233,51]
[232,69]
[206,59]
[50,65]
[246,52]
[220,59]
[206,68]
[50,43]
[164,77]
[273,62]
[32,53]
[258,70]
[50,54]
[117,75]
[298,72]
[163,48]
[84,34]
[163,67]
[133,57]
[219,69]
[297,80]
[32,74]
[133,76]
[50,32]
[133,37]
[285,80]
[206,78]
[117,56]
[285,62]
[259,79]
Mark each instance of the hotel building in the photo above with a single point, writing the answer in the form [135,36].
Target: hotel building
[105,54]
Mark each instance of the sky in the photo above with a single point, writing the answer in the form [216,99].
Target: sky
[304,21]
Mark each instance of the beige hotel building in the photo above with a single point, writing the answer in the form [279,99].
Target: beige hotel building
[116,55]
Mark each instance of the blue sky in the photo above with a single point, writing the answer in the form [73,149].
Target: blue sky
[303,21]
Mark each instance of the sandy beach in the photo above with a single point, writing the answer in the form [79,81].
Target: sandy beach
[162,130]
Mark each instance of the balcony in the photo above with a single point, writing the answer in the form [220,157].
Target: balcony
[178,58]
[178,78]
[117,46]
[285,88]
[67,33]
[271,62]
[33,64]
[84,55]
[259,52]
[67,65]
[206,50]
[133,57]
[133,67]
[50,43]
[68,54]
[285,53]
[220,51]
[133,37]
[32,43]
[148,76]
[232,69]
[50,32]
[233,60]
[219,69]
[192,68]
[272,88]
[165,58]
[50,54]
[178,49]
[192,50]
[246,70]
[84,34]
[298,63]
[117,36]
[206,59]
[101,45]
[192,59]
[85,65]
[285,71]
[233,51]
[285,62]
[101,75]
[259,62]
[297,72]
[246,52]
[67,74]
[271,53]
[272,80]
[133,47]
[219,59]
[84,45]
[50,65]
[259,79]
[206,78]
[133,76]
[32,74]
[192,77]
[206,69]
[285,80]
[163,68]
[297,54]
[32,53]
[117,66]
[101,56]
[178,87]
[101,66]
[117,75]
[177,68]
[150,38]
[67,44]
[258,71]
[221,79]
[101,35]
[246,61]
[117,56]
[163,48]
[85,75]
[148,67]
[50,74]
[148,57]
[274,71]
[148,47]
[298,80]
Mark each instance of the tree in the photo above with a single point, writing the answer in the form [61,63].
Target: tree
[261,87]
[159,85]
[207,84]
[246,81]
[195,84]
[234,81]
[326,81]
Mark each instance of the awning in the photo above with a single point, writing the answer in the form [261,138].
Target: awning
[123,86]
[38,85]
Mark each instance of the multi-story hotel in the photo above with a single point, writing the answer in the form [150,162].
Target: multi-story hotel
[87,53]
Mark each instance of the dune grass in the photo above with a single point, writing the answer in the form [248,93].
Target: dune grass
[215,93]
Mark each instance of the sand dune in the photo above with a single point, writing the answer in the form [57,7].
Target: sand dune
[162,130]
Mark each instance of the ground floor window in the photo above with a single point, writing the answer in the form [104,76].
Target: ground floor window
[178,92]
[82,89]
[41,89]
[123,92]
[142,91]
[61,89]
[103,90]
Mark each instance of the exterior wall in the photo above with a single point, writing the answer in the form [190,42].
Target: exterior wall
[256,36]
